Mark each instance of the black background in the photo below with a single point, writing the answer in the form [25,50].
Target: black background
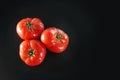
[77,18]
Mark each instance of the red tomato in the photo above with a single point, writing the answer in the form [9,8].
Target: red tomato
[56,40]
[29,28]
[32,52]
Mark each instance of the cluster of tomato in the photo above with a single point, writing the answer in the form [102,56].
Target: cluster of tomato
[32,50]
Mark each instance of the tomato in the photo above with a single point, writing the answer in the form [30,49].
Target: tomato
[29,28]
[55,39]
[32,52]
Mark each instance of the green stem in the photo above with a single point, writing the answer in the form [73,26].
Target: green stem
[31,53]
[59,36]
[29,25]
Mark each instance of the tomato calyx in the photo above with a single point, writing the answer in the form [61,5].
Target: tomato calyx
[31,53]
[29,25]
[58,36]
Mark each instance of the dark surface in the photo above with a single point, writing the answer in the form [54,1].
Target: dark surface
[77,18]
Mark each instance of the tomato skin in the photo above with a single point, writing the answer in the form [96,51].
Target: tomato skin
[29,28]
[55,39]
[32,52]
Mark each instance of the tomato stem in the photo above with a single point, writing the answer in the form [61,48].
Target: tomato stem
[29,25]
[59,36]
[31,53]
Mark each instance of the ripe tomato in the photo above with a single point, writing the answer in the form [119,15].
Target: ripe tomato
[32,52]
[29,28]
[56,40]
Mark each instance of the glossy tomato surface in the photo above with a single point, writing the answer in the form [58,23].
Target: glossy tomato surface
[55,39]
[29,28]
[32,52]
